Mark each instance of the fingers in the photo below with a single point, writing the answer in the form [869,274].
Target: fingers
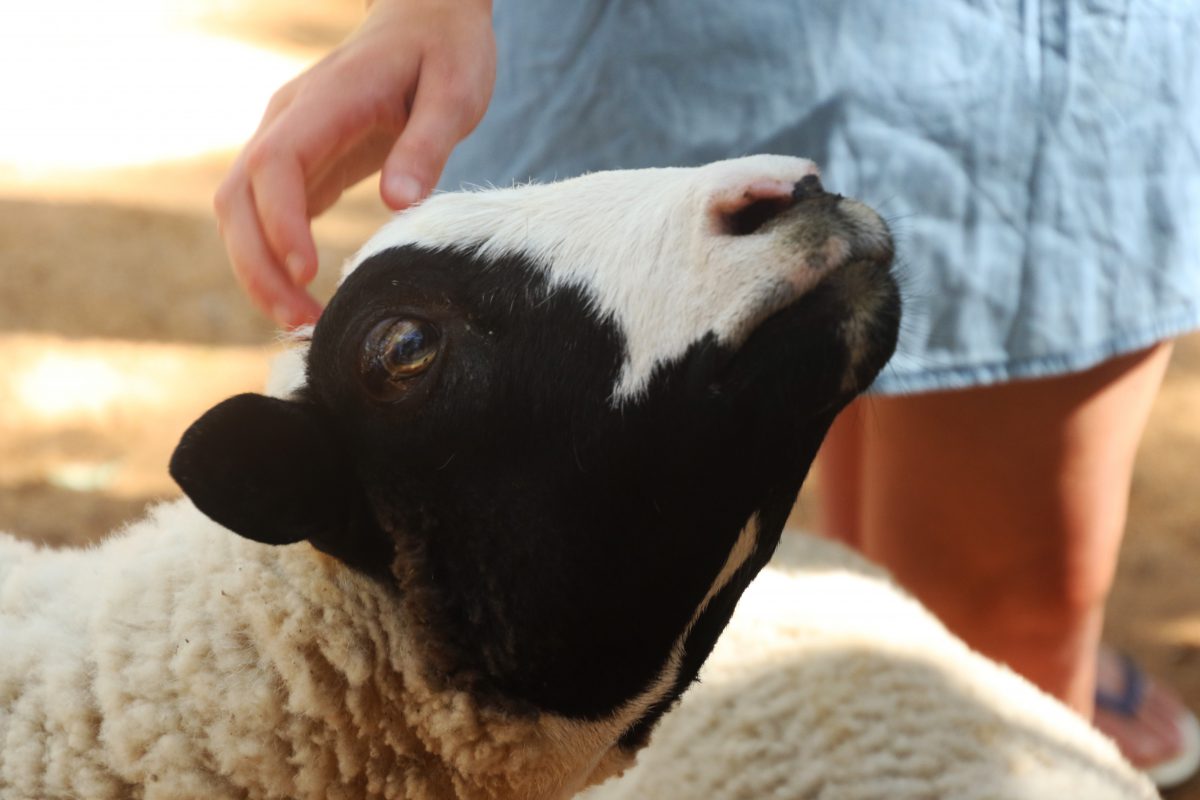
[257,270]
[445,109]
[263,205]
[327,185]
[277,185]
[264,213]
[419,155]
[337,123]
[278,103]
[255,258]
[315,136]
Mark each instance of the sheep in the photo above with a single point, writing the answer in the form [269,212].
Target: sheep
[542,440]
[830,682]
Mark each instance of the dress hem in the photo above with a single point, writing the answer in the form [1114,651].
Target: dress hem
[983,375]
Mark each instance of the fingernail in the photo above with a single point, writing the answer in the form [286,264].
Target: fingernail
[404,189]
[295,267]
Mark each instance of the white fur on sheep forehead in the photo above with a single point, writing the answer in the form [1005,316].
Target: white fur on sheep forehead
[647,246]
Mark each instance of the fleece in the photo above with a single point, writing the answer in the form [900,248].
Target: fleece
[830,683]
[176,660]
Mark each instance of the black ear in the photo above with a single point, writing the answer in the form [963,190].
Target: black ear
[270,470]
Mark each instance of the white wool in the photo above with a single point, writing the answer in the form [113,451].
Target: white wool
[832,683]
[176,660]
[210,666]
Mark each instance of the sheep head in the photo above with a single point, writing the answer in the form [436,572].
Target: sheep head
[568,421]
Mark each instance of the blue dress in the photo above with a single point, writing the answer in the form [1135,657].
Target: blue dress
[1039,159]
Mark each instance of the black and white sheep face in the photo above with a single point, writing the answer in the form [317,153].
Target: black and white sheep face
[670,256]
[568,421]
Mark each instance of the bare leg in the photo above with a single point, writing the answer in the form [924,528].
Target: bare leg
[840,465]
[1001,508]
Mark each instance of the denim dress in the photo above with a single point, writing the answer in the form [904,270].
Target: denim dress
[1038,160]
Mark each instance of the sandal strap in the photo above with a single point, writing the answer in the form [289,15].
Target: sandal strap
[1128,701]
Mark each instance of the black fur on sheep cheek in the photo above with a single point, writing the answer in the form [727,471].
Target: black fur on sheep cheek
[560,544]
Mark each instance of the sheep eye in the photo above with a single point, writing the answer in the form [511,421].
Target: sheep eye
[398,349]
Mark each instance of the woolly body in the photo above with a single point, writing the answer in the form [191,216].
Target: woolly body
[830,682]
[211,666]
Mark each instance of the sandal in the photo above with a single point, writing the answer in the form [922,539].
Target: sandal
[1141,702]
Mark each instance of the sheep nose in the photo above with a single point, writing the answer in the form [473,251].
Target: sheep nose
[808,187]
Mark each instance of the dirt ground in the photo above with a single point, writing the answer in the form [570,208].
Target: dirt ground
[120,322]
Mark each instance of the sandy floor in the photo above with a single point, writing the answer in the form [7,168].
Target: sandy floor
[120,323]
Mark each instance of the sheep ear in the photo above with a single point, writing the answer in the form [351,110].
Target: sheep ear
[266,469]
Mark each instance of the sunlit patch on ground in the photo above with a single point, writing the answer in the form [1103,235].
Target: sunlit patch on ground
[92,85]
[63,385]
[104,415]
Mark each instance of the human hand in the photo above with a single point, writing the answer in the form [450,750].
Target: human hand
[400,92]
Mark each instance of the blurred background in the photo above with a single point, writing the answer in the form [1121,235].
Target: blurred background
[120,321]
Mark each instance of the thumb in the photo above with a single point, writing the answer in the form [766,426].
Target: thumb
[436,126]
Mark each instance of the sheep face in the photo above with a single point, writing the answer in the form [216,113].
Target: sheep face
[567,422]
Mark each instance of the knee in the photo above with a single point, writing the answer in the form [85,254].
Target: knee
[1046,600]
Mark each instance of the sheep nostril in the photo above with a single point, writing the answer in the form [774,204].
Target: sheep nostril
[751,217]
[749,208]
[808,187]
